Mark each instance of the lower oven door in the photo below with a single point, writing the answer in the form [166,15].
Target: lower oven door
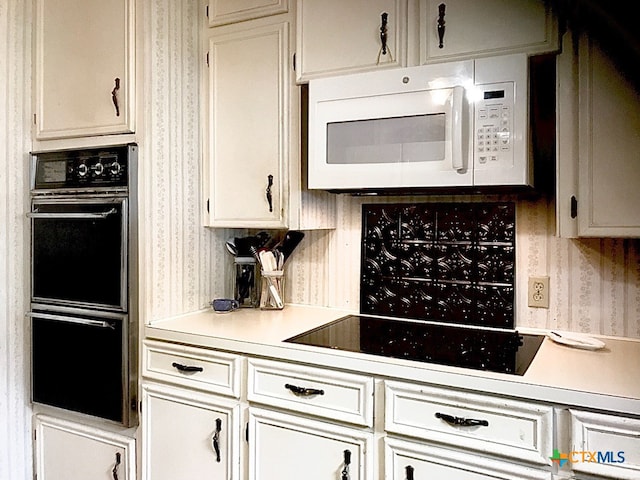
[79,252]
[81,363]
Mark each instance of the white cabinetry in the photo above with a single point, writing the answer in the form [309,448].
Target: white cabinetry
[598,145]
[66,450]
[406,460]
[252,168]
[189,435]
[499,426]
[296,444]
[605,445]
[336,37]
[84,68]
[221,12]
[290,446]
[191,428]
[489,27]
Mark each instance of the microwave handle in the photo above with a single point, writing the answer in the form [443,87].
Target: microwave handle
[457,127]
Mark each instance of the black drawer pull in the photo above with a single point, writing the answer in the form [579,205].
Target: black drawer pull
[463,422]
[304,392]
[186,368]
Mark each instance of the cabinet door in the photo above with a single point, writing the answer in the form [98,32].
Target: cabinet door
[408,460]
[287,446]
[248,135]
[221,12]
[489,27]
[69,451]
[183,432]
[335,37]
[84,66]
[598,145]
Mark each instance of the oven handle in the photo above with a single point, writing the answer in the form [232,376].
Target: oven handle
[37,214]
[79,321]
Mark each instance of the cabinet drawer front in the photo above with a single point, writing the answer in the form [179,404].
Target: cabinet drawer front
[192,367]
[504,427]
[427,461]
[605,445]
[326,393]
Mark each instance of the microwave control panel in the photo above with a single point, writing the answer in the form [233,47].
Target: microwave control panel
[494,111]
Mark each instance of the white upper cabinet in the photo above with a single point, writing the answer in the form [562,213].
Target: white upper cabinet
[221,12]
[470,28]
[84,68]
[598,145]
[249,111]
[334,36]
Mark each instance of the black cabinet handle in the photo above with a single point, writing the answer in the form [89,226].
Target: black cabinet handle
[216,439]
[345,469]
[114,96]
[441,10]
[304,392]
[269,194]
[409,472]
[463,422]
[114,472]
[383,32]
[186,368]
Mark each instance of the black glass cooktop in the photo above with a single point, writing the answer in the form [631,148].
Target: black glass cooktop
[503,351]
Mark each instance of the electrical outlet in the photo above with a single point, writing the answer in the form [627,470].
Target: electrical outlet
[539,292]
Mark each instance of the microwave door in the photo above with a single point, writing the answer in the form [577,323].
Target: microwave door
[405,140]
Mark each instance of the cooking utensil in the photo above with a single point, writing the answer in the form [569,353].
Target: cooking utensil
[289,243]
[231,247]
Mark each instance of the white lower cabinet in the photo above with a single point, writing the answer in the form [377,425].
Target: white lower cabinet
[187,434]
[410,460]
[286,446]
[65,450]
[604,445]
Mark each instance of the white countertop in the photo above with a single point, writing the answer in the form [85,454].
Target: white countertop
[605,379]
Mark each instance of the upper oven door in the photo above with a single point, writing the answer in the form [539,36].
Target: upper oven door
[79,252]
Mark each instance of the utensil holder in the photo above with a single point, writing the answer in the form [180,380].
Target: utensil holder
[272,291]
[246,282]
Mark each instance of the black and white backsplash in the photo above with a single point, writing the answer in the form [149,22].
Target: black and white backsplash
[446,262]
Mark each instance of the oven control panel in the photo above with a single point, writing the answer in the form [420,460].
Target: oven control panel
[84,168]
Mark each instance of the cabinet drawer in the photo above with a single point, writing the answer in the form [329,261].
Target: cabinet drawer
[314,391]
[605,445]
[192,367]
[403,458]
[504,427]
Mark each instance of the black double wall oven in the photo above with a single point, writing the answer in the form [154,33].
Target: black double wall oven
[83,281]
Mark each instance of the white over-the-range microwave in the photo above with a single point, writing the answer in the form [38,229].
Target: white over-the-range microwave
[462,123]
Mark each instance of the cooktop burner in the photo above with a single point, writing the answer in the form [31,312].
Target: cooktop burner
[501,351]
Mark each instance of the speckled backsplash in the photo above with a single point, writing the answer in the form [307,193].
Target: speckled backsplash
[448,262]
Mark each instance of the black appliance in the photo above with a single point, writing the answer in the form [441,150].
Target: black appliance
[475,348]
[83,281]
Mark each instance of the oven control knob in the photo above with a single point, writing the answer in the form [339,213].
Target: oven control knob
[98,169]
[115,168]
[82,170]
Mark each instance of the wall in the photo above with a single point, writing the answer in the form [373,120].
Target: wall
[15,106]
